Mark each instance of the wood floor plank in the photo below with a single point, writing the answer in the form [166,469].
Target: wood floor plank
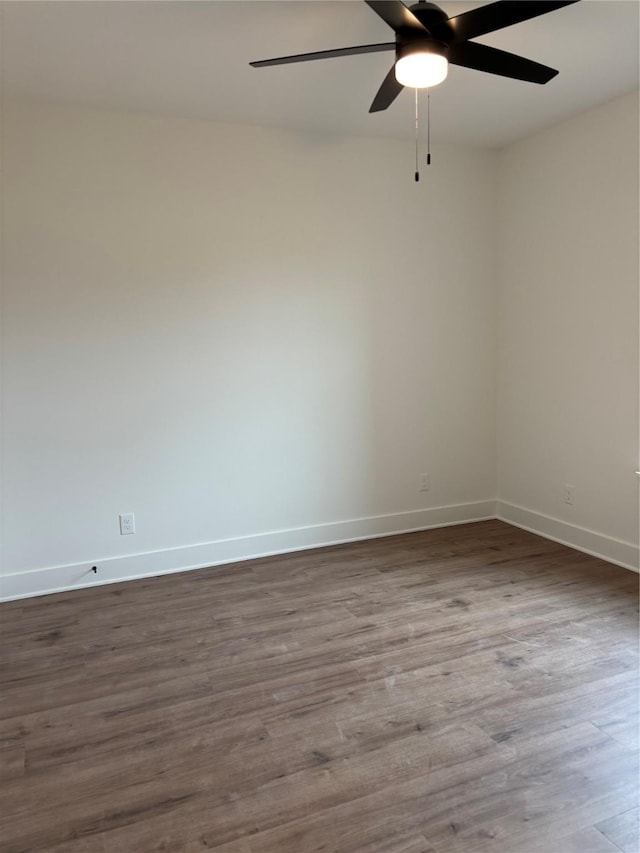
[586,840]
[86,844]
[623,727]
[469,791]
[463,690]
[12,762]
[623,830]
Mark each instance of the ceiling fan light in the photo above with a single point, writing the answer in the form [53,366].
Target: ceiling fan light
[421,69]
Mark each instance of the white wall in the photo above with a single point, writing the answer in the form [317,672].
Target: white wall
[568,330]
[231,331]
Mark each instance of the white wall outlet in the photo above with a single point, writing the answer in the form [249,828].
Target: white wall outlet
[567,495]
[425,483]
[127,523]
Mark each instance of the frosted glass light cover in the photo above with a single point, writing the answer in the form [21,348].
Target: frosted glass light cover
[421,70]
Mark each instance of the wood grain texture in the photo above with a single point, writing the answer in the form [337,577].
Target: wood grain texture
[462,690]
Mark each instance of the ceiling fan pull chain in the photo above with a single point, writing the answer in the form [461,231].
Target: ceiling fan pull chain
[417,173]
[428,127]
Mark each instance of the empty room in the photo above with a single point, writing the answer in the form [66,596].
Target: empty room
[320,426]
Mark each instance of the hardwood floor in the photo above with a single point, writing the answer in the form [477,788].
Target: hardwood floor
[462,690]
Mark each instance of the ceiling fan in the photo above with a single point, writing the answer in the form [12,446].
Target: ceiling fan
[427,40]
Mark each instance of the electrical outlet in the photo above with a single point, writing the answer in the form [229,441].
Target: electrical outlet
[425,484]
[127,523]
[567,495]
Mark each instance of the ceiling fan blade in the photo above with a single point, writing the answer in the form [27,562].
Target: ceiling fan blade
[396,14]
[481,57]
[495,16]
[387,93]
[326,54]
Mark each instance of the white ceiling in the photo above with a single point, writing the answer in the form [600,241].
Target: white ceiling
[191,59]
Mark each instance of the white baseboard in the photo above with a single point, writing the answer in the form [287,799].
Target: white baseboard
[114,569]
[624,554]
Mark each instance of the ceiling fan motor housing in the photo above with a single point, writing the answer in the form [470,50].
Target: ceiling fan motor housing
[431,15]
[413,40]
